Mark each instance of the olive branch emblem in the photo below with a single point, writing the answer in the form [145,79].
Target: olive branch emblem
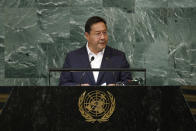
[104,104]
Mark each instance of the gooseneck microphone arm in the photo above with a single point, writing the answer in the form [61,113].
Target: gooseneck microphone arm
[83,74]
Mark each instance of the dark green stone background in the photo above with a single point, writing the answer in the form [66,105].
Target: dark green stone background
[158,35]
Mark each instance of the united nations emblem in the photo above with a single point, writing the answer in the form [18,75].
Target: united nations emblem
[96,106]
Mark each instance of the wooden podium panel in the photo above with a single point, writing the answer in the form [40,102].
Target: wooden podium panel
[132,109]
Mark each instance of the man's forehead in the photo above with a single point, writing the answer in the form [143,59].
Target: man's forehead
[100,30]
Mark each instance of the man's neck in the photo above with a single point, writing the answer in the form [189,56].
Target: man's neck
[92,50]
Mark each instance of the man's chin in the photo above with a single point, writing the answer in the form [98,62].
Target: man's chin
[102,47]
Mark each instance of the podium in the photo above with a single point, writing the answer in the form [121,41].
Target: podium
[57,109]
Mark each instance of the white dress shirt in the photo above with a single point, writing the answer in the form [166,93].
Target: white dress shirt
[96,63]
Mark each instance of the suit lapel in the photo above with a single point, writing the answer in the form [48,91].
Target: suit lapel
[104,64]
[87,64]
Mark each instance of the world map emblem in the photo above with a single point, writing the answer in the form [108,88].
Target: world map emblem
[96,105]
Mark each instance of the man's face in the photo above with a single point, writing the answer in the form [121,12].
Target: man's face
[97,38]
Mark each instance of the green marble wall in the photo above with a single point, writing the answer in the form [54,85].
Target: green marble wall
[158,35]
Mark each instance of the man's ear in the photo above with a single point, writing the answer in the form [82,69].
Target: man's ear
[86,35]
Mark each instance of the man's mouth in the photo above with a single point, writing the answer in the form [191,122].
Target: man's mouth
[102,42]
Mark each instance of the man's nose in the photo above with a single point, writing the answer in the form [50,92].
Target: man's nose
[102,35]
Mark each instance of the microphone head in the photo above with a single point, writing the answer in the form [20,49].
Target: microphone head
[92,58]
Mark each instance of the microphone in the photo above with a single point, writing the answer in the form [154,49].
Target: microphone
[83,74]
[92,59]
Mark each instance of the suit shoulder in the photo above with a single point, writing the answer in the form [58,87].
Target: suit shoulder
[115,51]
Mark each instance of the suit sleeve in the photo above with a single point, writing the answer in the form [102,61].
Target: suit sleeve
[66,78]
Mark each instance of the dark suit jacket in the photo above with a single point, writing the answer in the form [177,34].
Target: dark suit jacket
[112,58]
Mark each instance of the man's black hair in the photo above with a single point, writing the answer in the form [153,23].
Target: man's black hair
[93,20]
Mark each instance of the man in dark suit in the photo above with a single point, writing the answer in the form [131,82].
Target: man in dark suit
[95,54]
